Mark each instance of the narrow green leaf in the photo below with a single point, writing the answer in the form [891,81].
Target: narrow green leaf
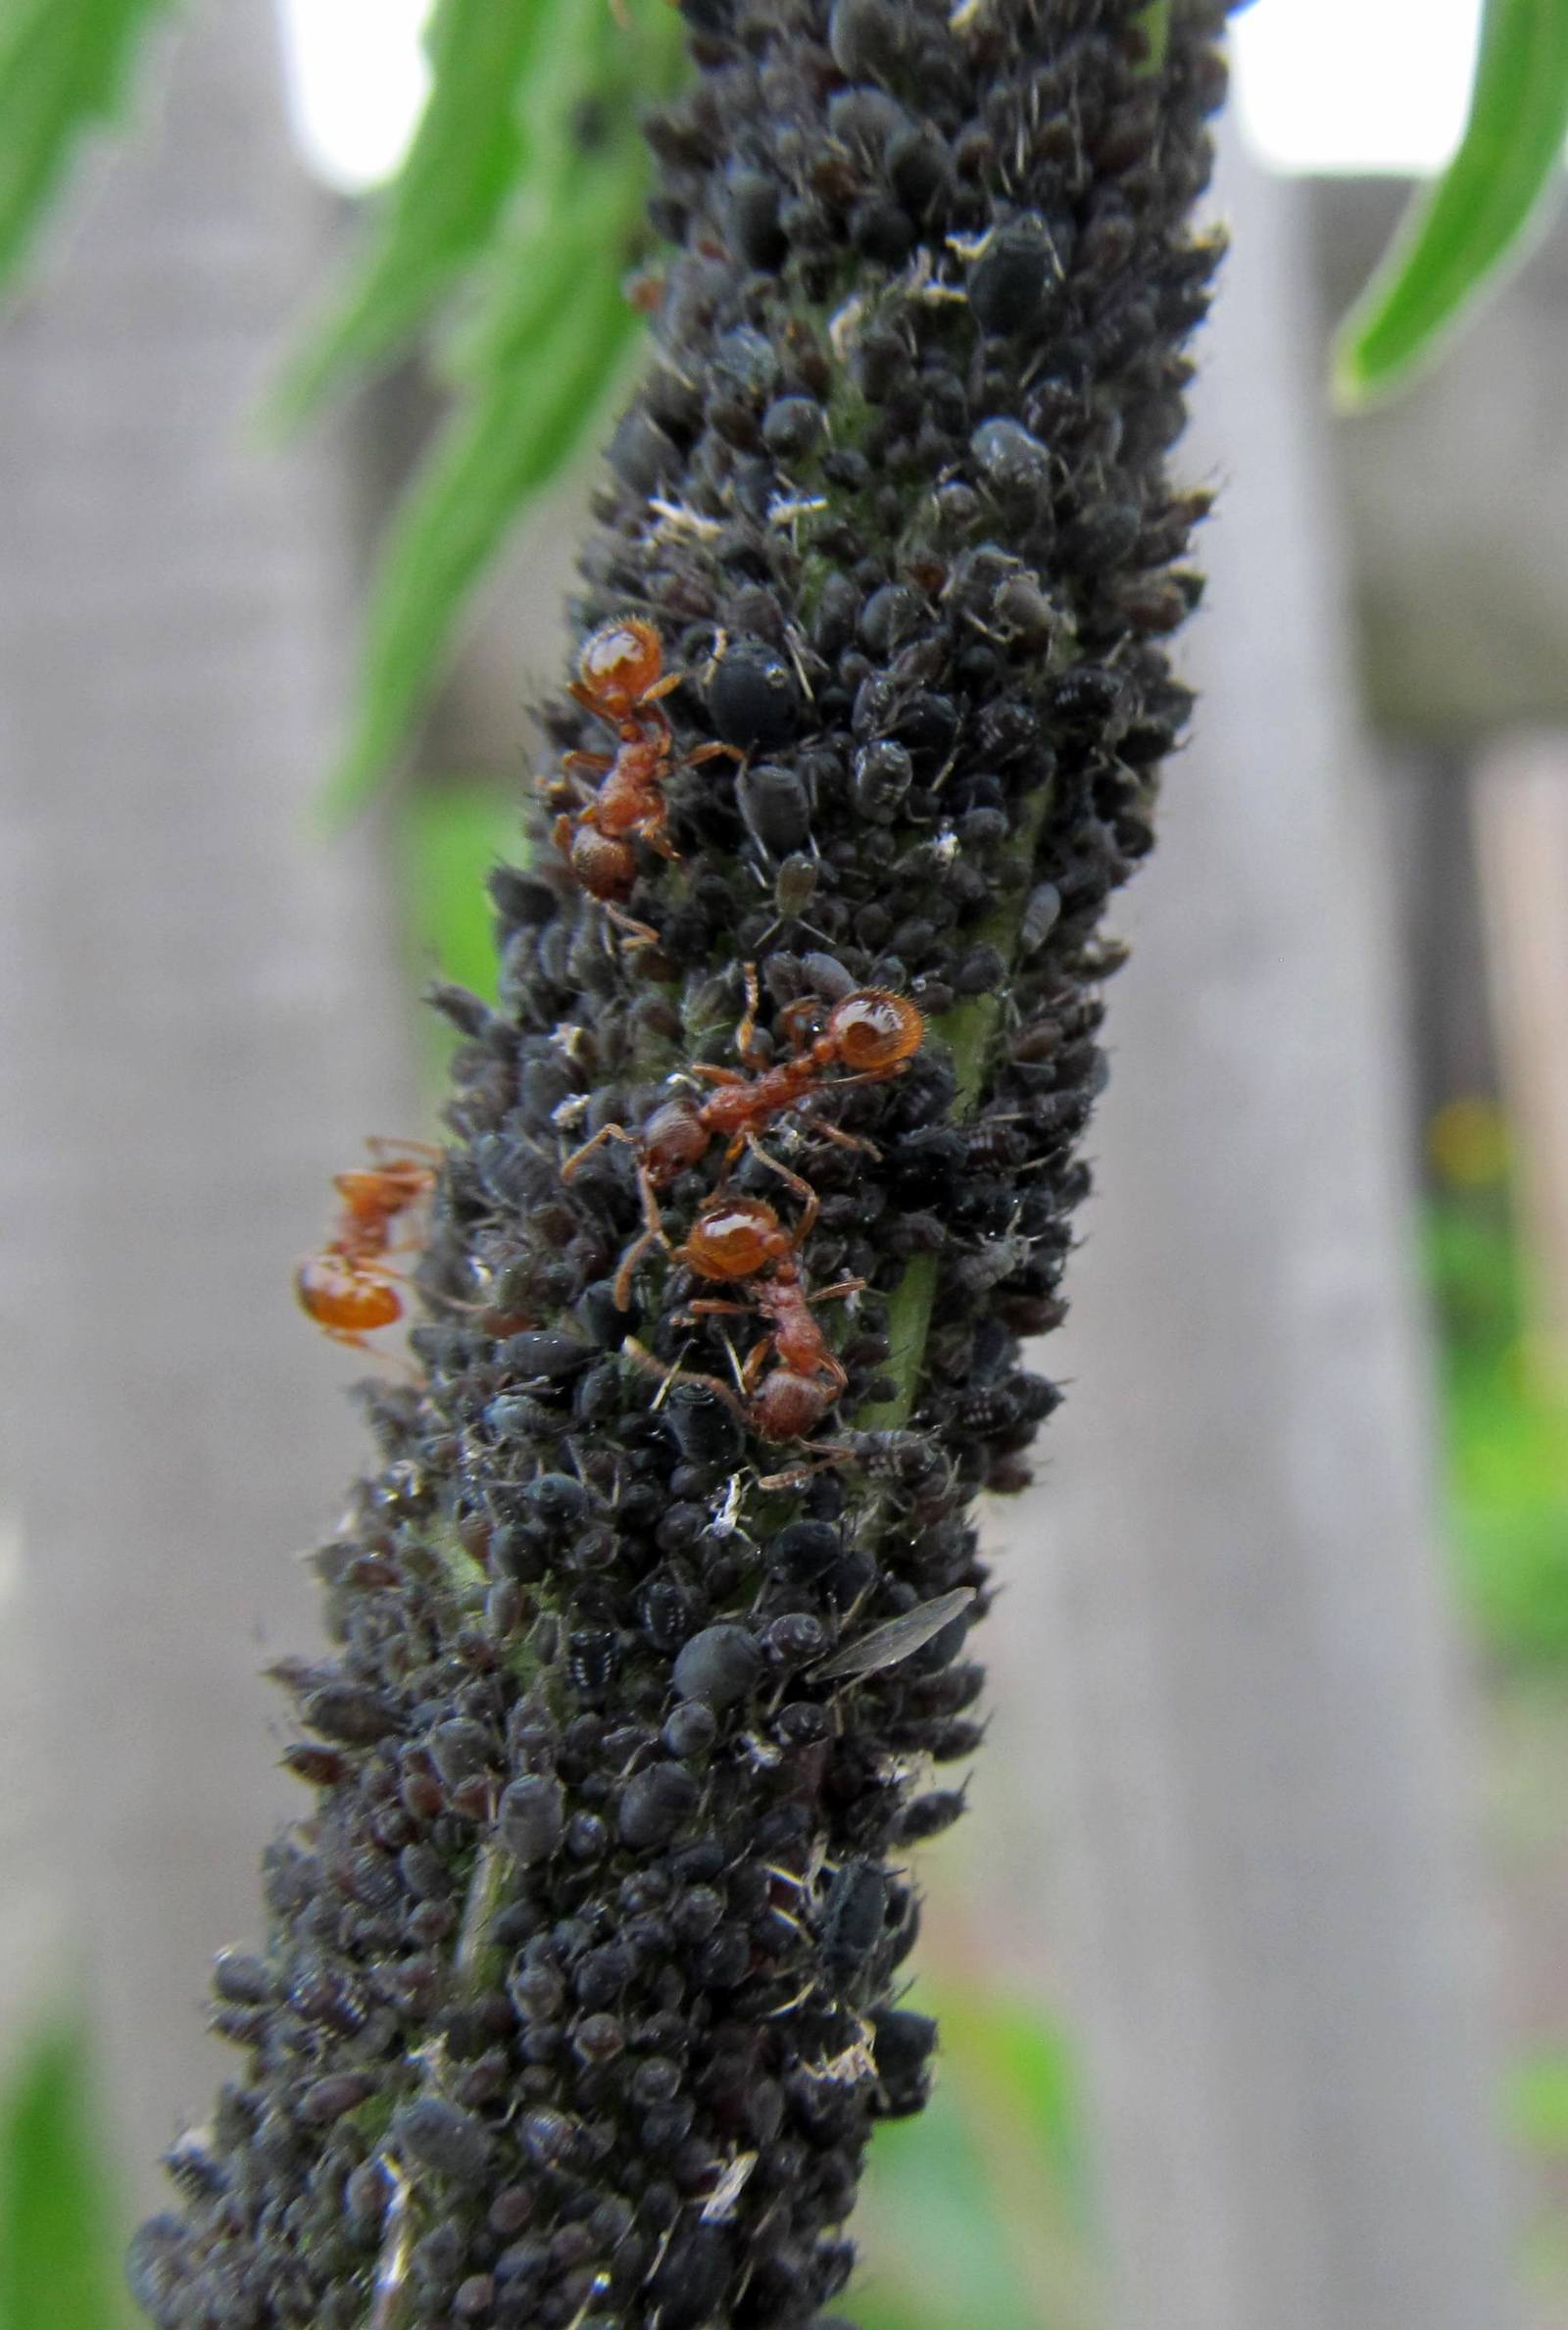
[452,834]
[492,454]
[63,65]
[60,2230]
[1456,240]
[466,158]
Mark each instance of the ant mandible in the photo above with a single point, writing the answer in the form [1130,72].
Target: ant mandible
[871,1033]
[621,678]
[347,1287]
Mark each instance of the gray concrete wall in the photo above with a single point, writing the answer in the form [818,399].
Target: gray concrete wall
[1225,1659]
[199,1021]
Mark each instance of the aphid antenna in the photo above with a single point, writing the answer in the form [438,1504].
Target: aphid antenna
[598,2288]
[793,643]
[789,2005]
[676,519]
[392,2262]
[659,2255]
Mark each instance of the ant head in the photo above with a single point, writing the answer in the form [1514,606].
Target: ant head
[733,1238]
[788,1405]
[673,1138]
[619,664]
[873,1030]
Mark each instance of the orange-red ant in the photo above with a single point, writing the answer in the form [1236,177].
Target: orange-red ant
[741,1242]
[621,678]
[871,1033]
[347,1287]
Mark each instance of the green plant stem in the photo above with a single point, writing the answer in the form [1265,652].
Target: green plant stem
[967,1030]
[1154,26]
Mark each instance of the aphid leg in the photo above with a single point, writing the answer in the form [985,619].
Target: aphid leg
[579,1156]
[653,1235]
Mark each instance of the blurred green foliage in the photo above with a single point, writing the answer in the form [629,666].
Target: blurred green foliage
[64,63]
[59,2226]
[1458,240]
[976,2210]
[534,341]
[1506,1437]
[449,836]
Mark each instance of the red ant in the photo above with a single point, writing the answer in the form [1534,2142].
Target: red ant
[741,1242]
[347,1286]
[872,1033]
[620,680]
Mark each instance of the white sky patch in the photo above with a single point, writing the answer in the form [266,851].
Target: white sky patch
[356,79]
[1322,85]
[1356,85]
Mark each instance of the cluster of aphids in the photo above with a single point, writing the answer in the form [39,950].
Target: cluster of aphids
[580,1997]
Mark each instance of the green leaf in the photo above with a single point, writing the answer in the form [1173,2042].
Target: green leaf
[466,158]
[452,834]
[543,344]
[498,449]
[63,65]
[60,2230]
[1456,241]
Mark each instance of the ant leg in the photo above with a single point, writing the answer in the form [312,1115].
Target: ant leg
[382,1145]
[660,687]
[796,1476]
[796,1018]
[652,830]
[579,1156]
[587,763]
[843,1291]
[756,1360]
[716,1075]
[638,934]
[591,704]
[653,1235]
[644,1360]
[746,1032]
[845,1140]
[710,1308]
[811,1204]
[387,1358]
[711,752]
